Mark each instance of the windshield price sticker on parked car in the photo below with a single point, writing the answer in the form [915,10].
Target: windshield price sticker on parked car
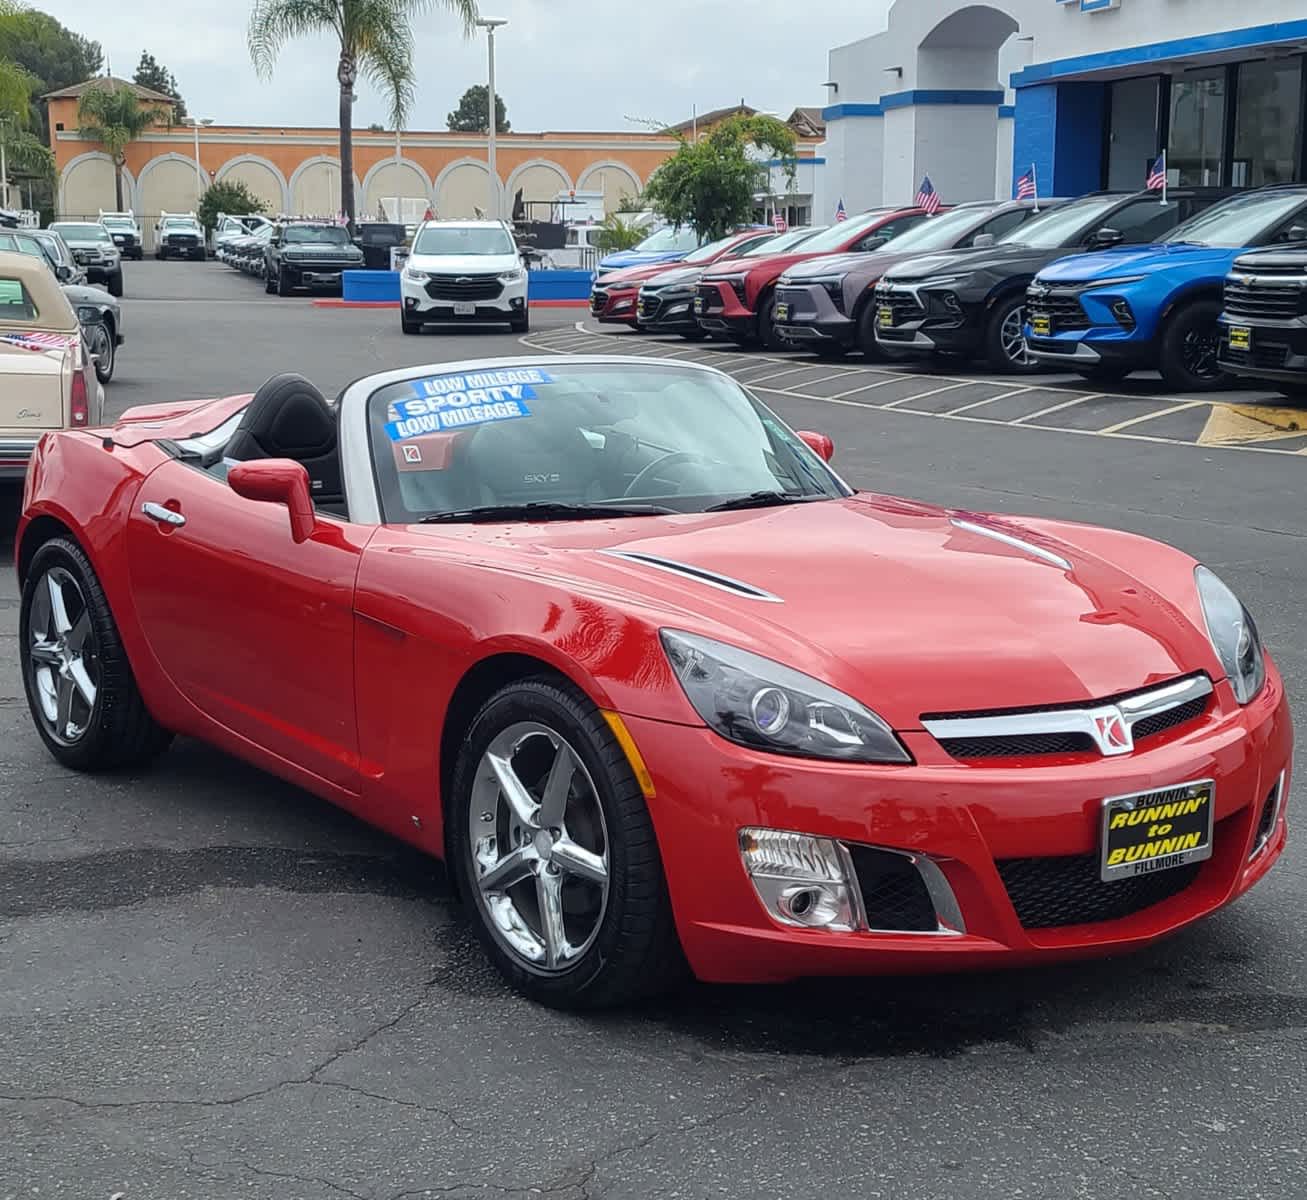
[455,401]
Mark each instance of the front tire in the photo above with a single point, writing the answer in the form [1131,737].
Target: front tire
[283,284]
[554,852]
[1190,354]
[115,284]
[100,341]
[521,324]
[1005,339]
[768,334]
[80,687]
[412,327]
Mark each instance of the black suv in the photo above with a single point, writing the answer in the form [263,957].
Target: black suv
[308,254]
[1264,325]
[972,302]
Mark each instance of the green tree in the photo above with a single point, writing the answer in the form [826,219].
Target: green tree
[709,184]
[151,75]
[49,53]
[375,38]
[472,113]
[615,234]
[112,116]
[22,150]
[229,197]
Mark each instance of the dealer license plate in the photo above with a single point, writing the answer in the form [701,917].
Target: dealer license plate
[885,317]
[698,304]
[1155,831]
[464,309]
[321,276]
[1241,337]
[1040,325]
[782,312]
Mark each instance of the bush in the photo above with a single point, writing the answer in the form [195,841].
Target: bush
[234,199]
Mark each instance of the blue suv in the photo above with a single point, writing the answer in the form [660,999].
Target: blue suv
[1135,308]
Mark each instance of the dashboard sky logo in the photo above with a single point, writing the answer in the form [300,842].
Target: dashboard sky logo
[1091,5]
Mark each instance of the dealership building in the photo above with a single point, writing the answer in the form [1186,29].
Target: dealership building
[1088,92]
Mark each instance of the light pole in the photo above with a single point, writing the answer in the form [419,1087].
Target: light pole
[195,123]
[490,24]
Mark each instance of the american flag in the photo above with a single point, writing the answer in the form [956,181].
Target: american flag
[840,214]
[36,340]
[1026,185]
[1157,174]
[778,221]
[927,196]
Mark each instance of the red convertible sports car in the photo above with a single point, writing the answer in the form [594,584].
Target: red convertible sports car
[620,647]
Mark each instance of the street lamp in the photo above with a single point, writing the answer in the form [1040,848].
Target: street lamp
[195,123]
[490,24]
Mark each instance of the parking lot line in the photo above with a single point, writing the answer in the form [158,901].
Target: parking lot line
[866,387]
[948,387]
[1052,408]
[978,403]
[1174,407]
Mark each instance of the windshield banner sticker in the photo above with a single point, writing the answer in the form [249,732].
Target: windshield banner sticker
[456,401]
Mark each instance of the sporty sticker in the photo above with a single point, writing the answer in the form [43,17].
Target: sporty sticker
[457,401]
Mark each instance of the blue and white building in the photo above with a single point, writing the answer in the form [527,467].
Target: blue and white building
[1088,91]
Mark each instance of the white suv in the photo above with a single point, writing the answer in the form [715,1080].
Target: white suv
[466,272]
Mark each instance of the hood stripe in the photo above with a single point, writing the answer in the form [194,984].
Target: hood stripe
[1017,543]
[698,574]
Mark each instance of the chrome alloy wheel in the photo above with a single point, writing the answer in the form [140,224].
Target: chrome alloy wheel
[100,344]
[64,655]
[1013,338]
[539,847]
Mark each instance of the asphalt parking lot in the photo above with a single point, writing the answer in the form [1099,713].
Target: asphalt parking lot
[213,985]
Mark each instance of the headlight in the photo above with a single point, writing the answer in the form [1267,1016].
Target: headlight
[86,313]
[415,276]
[763,704]
[516,275]
[1233,634]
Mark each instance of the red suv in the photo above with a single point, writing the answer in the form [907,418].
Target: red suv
[613,298]
[735,297]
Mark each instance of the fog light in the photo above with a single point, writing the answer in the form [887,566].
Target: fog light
[802,880]
[1122,312]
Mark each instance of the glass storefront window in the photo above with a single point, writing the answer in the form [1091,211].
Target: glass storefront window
[1266,130]
[1198,127]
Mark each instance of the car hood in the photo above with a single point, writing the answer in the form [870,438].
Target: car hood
[1010,258]
[1137,260]
[902,605]
[631,276]
[865,266]
[462,264]
[666,278]
[76,243]
[771,264]
[638,258]
[77,294]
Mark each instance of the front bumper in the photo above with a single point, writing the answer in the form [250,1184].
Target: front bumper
[810,315]
[311,273]
[614,306]
[101,272]
[720,308]
[15,454]
[921,322]
[1277,349]
[1081,350]
[187,249]
[509,303]
[968,819]
[667,312]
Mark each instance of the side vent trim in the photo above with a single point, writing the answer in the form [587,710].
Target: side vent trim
[708,578]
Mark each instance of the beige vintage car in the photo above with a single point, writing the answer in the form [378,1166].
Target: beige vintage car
[47,375]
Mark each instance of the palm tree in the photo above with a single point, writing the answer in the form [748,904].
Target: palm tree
[20,149]
[112,115]
[376,38]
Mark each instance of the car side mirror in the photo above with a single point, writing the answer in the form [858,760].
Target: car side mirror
[1296,233]
[819,443]
[1100,239]
[278,481]
[874,243]
[982,241]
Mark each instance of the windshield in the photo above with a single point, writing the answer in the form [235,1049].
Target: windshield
[84,233]
[1057,226]
[942,232]
[710,251]
[322,235]
[1242,221]
[662,437]
[665,241]
[118,222]
[183,223]
[783,242]
[837,236]
[463,239]
[21,245]
[52,242]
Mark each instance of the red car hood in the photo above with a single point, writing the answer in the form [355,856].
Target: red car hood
[771,265]
[896,604]
[633,276]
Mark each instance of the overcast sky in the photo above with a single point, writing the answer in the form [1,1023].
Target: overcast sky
[561,64]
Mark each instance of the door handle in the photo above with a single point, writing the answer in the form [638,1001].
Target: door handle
[164,516]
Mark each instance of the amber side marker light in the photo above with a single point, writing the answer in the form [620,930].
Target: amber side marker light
[632,752]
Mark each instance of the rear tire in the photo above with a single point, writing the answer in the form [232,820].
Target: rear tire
[615,928]
[1005,343]
[1189,359]
[71,649]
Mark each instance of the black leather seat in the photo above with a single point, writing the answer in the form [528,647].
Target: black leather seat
[514,462]
[290,418]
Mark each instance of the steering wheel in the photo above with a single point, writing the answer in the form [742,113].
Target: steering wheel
[651,471]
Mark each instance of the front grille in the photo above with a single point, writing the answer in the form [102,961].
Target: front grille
[712,298]
[597,301]
[86,256]
[1048,893]
[905,308]
[893,893]
[1160,722]
[1064,311]
[1267,356]
[1266,822]
[649,307]
[181,239]
[464,287]
[1027,746]
[1275,303]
